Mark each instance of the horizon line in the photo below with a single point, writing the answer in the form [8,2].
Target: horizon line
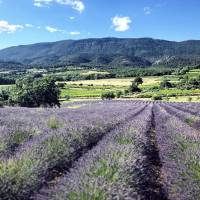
[109,37]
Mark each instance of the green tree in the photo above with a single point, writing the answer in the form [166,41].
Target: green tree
[30,92]
[134,88]
[138,80]
[119,94]
[108,95]
[4,94]
[194,83]
[157,98]
[165,84]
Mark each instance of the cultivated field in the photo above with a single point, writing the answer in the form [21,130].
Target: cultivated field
[101,150]
[123,82]
[150,87]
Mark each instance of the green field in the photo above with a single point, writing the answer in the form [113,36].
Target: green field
[170,93]
[82,93]
[117,82]
[94,88]
[194,73]
[185,99]
[5,86]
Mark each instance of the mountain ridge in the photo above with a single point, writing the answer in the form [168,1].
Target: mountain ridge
[135,52]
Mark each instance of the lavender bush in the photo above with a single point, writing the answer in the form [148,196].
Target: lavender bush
[178,145]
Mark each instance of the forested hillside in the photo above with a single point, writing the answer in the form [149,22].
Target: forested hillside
[142,52]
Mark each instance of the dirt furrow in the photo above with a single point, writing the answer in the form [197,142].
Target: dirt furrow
[150,178]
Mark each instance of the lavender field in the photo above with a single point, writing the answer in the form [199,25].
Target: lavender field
[101,150]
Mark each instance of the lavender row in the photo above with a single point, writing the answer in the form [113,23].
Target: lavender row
[114,169]
[192,108]
[19,125]
[52,153]
[179,150]
[186,117]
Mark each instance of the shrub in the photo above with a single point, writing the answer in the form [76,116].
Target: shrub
[157,97]
[61,85]
[108,95]
[126,92]
[165,84]
[189,99]
[138,80]
[119,94]
[4,94]
[1,104]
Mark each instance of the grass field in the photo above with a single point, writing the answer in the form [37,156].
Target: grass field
[5,86]
[81,92]
[171,93]
[119,82]
[94,72]
[194,73]
[185,99]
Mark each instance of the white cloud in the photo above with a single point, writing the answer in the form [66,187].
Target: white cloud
[55,30]
[121,23]
[74,33]
[38,4]
[71,17]
[42,3]
[9,28]
[29,25]
[52,29]
[147,10]
[75,4]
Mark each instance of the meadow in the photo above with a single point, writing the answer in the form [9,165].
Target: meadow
[118,82]
[94,88]
[101,150]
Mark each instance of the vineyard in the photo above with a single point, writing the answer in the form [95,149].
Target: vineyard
[99,150]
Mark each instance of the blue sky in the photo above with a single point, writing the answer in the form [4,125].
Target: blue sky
[31,21]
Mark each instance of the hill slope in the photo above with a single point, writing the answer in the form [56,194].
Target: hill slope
[106,51]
